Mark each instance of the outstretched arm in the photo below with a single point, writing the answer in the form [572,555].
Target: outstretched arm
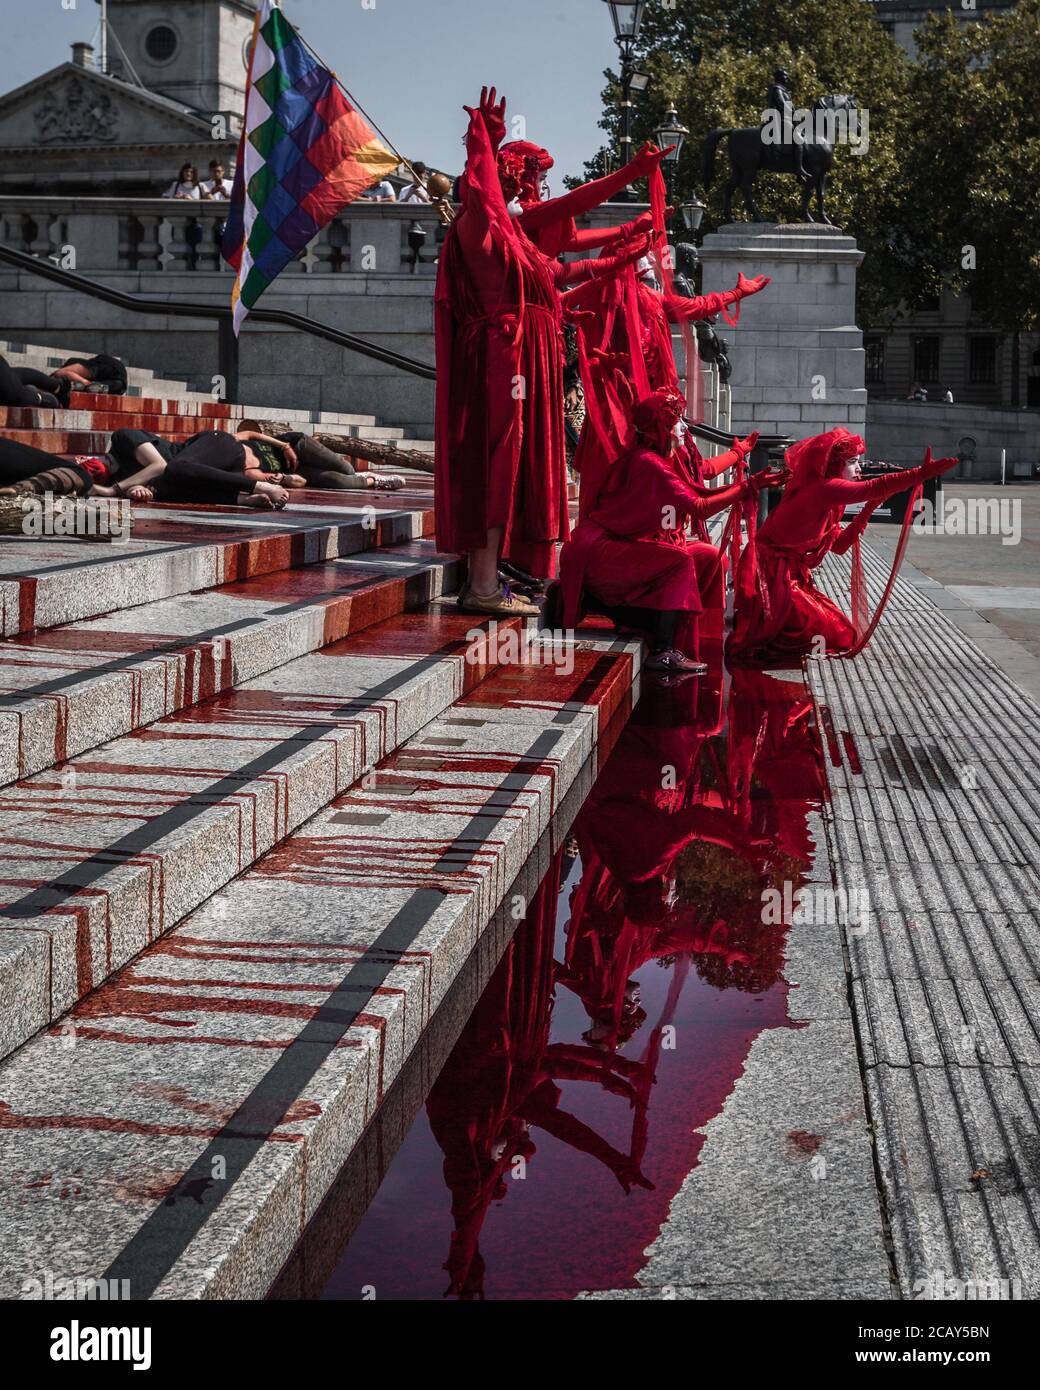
[601,267]
[590,195]
[702,306]
[712,467]
[855,528]
[842,492]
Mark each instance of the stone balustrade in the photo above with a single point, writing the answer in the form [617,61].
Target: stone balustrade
[168,235]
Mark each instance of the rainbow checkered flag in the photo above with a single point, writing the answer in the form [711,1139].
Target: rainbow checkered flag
[305,153]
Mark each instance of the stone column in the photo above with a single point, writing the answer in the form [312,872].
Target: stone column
[798,359]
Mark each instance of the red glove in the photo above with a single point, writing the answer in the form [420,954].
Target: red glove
[743,447]
[648,158]
[932,467]
[642,225]
[768,477]
[746,287]
[493,115]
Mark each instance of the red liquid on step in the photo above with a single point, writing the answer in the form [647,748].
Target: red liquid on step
[616,1025]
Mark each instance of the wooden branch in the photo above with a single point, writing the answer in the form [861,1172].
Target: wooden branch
[372,450]
[66,518]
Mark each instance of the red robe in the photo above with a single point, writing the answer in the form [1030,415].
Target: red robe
[631,548]
[625,342]
[780,613]
[500,459]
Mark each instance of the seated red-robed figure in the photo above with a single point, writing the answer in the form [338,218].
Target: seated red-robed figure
[781,615]
[630,555]
[501,488]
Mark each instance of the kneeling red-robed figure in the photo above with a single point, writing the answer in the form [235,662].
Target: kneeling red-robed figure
[630,555]
[780,614]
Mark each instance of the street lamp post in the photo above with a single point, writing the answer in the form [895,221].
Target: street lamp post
[671,131]
[628,21]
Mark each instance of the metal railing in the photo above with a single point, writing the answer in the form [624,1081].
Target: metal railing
[227,342]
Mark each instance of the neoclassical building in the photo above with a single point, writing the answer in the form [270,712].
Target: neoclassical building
[165,84]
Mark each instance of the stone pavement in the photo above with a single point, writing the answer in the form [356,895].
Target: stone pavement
[924,1041]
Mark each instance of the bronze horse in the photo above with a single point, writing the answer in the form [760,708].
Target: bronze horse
[750,154]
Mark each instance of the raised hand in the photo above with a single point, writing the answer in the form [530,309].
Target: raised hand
[753,286]
[746,446]
[769,477]
[642,224]
[649,157]
[932,467]
[494,114]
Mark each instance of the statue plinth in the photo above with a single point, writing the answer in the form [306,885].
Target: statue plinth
[797,354]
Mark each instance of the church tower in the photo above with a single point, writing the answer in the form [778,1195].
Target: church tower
[192,51]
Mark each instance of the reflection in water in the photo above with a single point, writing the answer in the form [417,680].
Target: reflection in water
[619,1018]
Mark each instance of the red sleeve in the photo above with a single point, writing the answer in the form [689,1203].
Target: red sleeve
[840,492]
[486,215]
[702,306]
[580,200]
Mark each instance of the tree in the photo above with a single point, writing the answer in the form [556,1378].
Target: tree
[972,171]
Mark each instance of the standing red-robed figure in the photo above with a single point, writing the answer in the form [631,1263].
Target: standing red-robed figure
[501,480]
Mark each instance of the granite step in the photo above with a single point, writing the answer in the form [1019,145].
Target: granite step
[100,859]
[198,1106]
[69,689]
[175,550]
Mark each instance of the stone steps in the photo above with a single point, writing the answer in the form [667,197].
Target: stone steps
[69,689]
[101,858]
[149,394]
[174,551]
[198,1106]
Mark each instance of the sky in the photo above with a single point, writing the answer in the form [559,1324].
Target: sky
[411,64]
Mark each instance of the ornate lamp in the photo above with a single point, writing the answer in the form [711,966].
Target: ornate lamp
[693,211]
[628,18]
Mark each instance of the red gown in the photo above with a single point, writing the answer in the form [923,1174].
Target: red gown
[631,549]
[500,459]
[780,613]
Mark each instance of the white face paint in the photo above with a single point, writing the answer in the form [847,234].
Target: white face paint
[852,471]
[679,432]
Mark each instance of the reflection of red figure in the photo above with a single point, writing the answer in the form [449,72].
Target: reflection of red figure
[500,1082]
[781,616]
[680,836]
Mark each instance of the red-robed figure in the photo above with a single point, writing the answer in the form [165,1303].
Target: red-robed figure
[630,554]
[501,482]
[781,615]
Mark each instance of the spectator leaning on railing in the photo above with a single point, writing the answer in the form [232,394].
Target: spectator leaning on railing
[185,185]
[217,188]
[382,192]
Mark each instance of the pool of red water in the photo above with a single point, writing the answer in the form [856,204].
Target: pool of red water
[619,1019]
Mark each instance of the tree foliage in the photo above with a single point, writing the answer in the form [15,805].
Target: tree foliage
[954,149]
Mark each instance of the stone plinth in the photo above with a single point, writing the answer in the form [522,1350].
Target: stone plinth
[798,360]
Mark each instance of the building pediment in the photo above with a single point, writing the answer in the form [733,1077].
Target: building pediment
[72,106]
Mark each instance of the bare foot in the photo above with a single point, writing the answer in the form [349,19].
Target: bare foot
[266,497]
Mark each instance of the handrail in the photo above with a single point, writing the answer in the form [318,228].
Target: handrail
[227,345]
